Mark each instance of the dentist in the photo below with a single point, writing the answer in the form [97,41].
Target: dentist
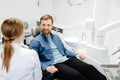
[16,62]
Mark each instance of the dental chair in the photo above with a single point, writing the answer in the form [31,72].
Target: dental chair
[27,34]
[35,31]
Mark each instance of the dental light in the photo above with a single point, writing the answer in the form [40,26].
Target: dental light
[102,31]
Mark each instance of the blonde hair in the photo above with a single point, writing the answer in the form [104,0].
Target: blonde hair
[11,29]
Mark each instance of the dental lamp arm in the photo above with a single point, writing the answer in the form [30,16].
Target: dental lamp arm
[102,31]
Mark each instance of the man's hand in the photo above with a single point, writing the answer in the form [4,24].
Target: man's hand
[51,69]
[80,56]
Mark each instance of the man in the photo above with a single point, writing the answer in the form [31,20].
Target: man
[57,60]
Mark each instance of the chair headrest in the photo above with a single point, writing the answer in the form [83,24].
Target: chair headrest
[35,31]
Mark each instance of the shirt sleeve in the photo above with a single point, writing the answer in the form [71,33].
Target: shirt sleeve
[34,45]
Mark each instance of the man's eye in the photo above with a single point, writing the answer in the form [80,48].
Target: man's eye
[43,24]
[48,25]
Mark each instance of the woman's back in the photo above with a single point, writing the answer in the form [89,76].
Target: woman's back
[17,63]
[24,65]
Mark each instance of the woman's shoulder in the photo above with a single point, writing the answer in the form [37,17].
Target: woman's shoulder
[28,54]
[23,50]
[29,51]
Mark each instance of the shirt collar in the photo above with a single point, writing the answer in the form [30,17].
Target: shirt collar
[16,45]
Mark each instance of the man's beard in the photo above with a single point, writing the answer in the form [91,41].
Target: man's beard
[45,31]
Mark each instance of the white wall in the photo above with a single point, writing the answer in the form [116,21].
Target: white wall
[18,8]
[114,10]
[101,13]
[72,15]
[70,18]
[106,11]
[26,10]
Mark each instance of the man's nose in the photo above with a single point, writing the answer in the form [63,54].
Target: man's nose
[46,27]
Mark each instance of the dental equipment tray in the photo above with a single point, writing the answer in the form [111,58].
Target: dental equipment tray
[112,71]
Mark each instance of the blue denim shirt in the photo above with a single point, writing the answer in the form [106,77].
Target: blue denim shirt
[41,44]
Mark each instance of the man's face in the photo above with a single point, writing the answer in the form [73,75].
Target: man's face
[46,26]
